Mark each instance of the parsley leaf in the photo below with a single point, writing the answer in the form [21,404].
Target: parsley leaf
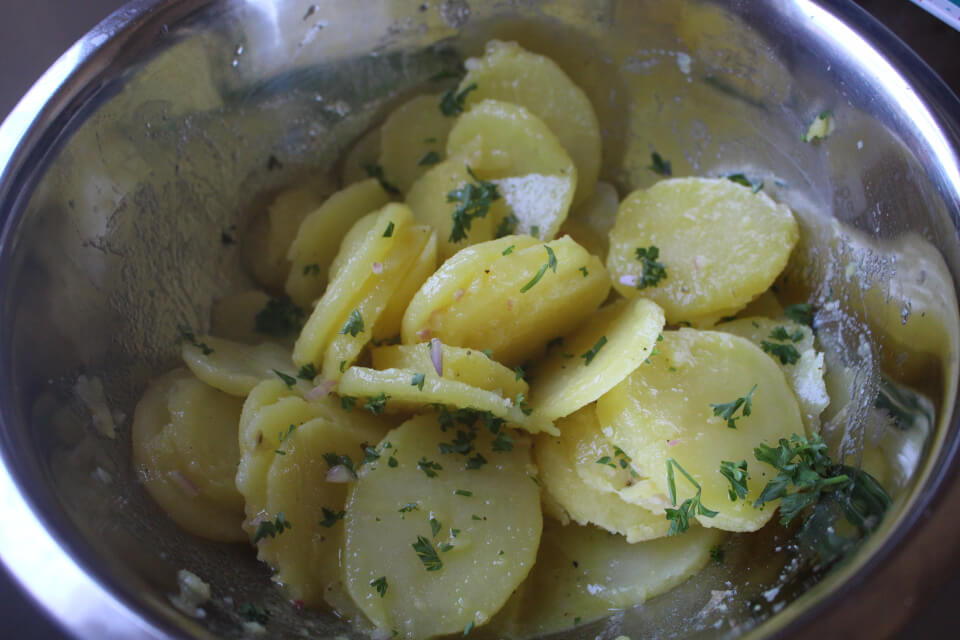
[476,462]
[369,455]
[271,528]
[331,518]
[605,460]
[333,460]
[726,410]
[428,159]
[312,269]
[464,493]
[435,526]
[741,179]
[519,372]
[660,166]
[786,353]
[376,171]
[502,442]
[347,403]
[653,271]
[307,372]
[451,104]
[584,271]
[290,381]
[680,517]
[462,443]
[429,467]
[781,334]
[427,554]
[279,317]
[507,225]
[380,584]
[508,250]
[475,200]
[354,324]
[377,403]
[388,232]
[801,313]
[410,506]
[550,264]
[592,353]
[187,336]
[736,474]
[417,381]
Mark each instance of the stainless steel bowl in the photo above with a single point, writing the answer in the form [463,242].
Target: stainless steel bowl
[154,134]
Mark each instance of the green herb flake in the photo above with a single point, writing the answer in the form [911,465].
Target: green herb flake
[801,313]
[653,271]
[380,584]
[475,199]
[605,460]
[535,231]
[417,381]
[290,381]
[429,467]
[727,410]
[354,324]
[376,171]
[452,101]
[550,264]
[330,517]
[508,250]
[343,365]
[392,462]
[736,474]
[369,455]
[476,462]
[502,442]
[186,334]
[507,226]
[717,554]
[388,232]
[592,353]
[519,372]
[407,508]
[464,493]
[741,179]
[584,271]
[521,402]
[347,403]
[427,554]
[376,404]
[342,460]
[271,528]
[428,159]
[280,317]
[435,526]
[312,269]
[786,353]
[680,517]
[307,372]
[660,166]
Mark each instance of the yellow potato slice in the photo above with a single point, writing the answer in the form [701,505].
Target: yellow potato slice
[805,375]
[468,366]
[234,317]
[507,144]
[413,139]
[590,222]
[402,395]
[390,322]
[615,341]
[557,459]
[582,573]
[663,411]
[233,367]
[428,197]
[319,235]
[362,154]
[721,245]
[490,516]
[351,281]
[185,453]
[513,305]
[344,348]
[450,282]
[509,73]
[306,557]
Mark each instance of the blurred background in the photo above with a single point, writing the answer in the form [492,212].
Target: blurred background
[34,33]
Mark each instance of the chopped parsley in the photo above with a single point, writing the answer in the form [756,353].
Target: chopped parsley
[476,462]
[388,232]
[653,271]
[727,410]
[535,231]
[407,508]
[307,372]
[290,381]
[417,381]
[521,402]
[781,334]
[429,467]
[334,460]
[330,517]
[369,455]
[475,200]
[279,317]
[786,353]
[377,403]
[550,264]
[584,271]
[502,442]
[380,584]
[820,128]
[801,313]
[660,166]
[187,336]
[488,353]
[507,225]
[462,443]
[736,474]
[312,269]
[605,460]
[452,102]
[376,171]
[680,517]
[508,250]
[464,493]
[428,159]
[519,372]
[468,628]
[271,528]
[741,179]
[252,613]
[347,403]
[592,353]
[435,526]
[427,554]
[354,324]
[717,554]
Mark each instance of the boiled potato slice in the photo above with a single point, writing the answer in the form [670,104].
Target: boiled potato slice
[390,322]
[233,367]
[185,452]
[306,557]
[351,282]
[344,348]
[318,238]
[403,394]
[490,516]
[721,245]
[805,374]
[513,305]
[413,139]
[590,222]
[615,341]
[507,144]
[509,73]
[557,459]
[365,152]
[663,411]
[582,573]
[450,282]
[428,197]
[234,317]
[468,366]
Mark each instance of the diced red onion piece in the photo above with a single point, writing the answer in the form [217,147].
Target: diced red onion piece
[185,483]
[321,390]
[377,267]
[436,355]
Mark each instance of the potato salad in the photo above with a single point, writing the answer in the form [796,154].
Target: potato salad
[481,392]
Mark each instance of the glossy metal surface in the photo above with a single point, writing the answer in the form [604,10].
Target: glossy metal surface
[148,138]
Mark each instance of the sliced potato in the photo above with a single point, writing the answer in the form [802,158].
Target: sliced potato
[362,154]
[513,305]
[402,393]
[468,366]
[582,573]
[507,144]
[590,222]
[344,347]
[663,412]
[306,557]
[449,283]
[400,519]
[428,197]
[185,452]
[805,374]
[234,317]
[509,73]
[390,322]
[615,341]
[557,459]
[351,282]
[721,245]
[413,139]
[319,235]
[233,367]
